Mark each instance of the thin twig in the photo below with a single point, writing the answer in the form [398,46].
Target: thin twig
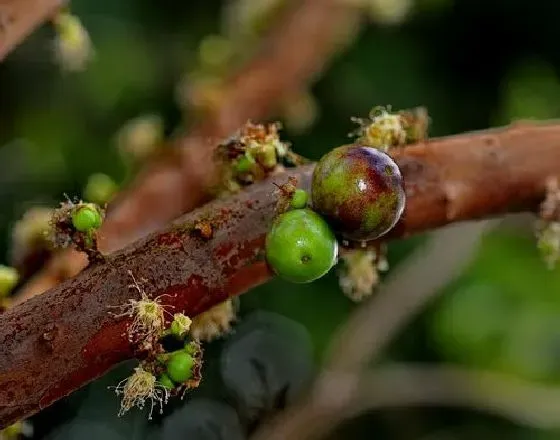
[59,341]
[410,385]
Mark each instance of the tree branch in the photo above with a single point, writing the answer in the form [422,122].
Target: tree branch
[18,18]
[59,341]
[298,47]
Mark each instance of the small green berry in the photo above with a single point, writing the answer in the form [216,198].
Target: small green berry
[300,246]
[9,277]
[299,199]
[86,217]
[359,190]
[244,164]
[166,382]
[179,366]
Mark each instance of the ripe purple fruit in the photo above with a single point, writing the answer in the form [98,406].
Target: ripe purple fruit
[359,190]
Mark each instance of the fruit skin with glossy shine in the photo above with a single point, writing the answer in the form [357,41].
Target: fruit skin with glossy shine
[300,246]
[86,218]
[359,190]
[179,366]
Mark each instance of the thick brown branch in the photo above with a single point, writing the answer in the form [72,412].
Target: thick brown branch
[57,342]
[291,55]
[18,18]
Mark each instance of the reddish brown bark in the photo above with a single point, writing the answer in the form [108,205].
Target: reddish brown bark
[18,18]
[296,49]
[59,341]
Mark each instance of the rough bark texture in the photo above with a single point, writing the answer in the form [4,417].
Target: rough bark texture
[180,180]
[56,342]
[18,18]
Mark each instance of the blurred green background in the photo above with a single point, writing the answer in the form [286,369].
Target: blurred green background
[472,63]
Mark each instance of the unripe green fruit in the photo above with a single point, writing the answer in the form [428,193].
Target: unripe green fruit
[299,199]
[179,366]
[86,218]
[166,382]
[300,246]
[9,278]
[245,164]
[359,191]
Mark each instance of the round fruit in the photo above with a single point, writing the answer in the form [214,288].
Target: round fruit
[179,366]
[244,164]
[299,199]
[86,218]
[300,246]
[359,190]
[166,382]
[9,278]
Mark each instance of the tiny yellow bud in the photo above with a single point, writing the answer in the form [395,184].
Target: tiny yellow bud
[9,278]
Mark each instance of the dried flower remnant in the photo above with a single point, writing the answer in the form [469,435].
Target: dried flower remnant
[148,315]
[204,230]
[195,350]
[214,322]
[72,46]
[30,237]
[252,154]
[416,123]
[359,271]
[548,224]
[138,389]
[285,194]
[382,129]
[140,137]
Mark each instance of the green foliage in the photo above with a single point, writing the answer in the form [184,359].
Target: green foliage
[503,316]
